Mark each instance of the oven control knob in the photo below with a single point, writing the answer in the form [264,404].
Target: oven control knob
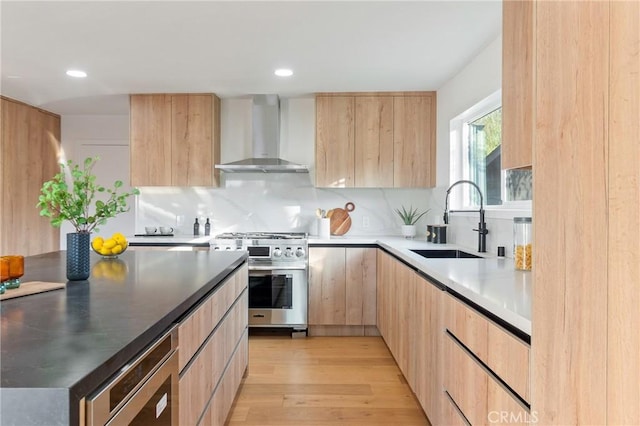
[300,252]
[216,248]
[228,248]
[277,252]
[288,252]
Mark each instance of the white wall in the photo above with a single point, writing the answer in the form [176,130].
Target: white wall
[106,136]
[476,81]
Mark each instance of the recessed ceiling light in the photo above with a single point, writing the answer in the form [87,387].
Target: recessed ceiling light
[283,72]
[76,73]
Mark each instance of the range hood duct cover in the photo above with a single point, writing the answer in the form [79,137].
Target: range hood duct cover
[266,142]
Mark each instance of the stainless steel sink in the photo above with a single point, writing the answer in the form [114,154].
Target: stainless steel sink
[446,254]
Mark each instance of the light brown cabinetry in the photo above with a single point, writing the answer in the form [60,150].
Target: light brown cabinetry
[518,83]
[374,167]
[586,347]
[376,140]
[212,353]
[29,155]
[478,357]
[342,287]
[414,141]
[175,139]
[409,320]
[335,146]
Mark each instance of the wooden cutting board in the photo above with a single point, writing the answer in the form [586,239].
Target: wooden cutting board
[31,287]
[339,219]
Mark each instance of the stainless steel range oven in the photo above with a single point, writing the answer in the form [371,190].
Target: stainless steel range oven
[278,276]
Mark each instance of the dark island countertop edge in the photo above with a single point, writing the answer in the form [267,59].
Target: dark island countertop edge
[118,360]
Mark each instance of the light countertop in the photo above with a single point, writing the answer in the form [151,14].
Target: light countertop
[492,283]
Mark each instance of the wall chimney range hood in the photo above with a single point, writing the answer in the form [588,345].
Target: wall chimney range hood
[266,142]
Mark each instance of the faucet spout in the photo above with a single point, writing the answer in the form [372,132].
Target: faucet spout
[482,226]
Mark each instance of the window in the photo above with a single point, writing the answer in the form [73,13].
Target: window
[476,144]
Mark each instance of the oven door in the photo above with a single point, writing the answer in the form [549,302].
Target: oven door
[278,297]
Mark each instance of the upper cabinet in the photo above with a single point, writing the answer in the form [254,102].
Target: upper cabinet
[335,144]
[518,77]
[175,139]
[29,149]
[414,141]
[376,140]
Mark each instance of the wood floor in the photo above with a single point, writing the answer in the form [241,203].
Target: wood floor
[323,381]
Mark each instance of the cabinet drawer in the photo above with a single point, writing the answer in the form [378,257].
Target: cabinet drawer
[481,399]
[450,414]
[201,377]
[220,405]
[195,329]
[506,355]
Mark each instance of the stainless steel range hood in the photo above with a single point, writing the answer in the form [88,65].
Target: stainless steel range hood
[266,142]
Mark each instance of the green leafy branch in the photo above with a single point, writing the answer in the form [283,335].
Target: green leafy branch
[74,201]
[411,216]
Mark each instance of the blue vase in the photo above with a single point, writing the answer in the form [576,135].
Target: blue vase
[78,262]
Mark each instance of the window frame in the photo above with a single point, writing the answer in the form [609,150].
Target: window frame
[458,167]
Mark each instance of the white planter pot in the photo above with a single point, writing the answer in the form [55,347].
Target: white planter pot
[409,231]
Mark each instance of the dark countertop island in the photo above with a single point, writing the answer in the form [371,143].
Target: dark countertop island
[57,347]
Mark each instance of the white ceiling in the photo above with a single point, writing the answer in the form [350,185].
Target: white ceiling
[232,48]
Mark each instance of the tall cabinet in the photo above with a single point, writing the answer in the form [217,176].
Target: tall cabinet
[29,154]
[585,316]
[175,139]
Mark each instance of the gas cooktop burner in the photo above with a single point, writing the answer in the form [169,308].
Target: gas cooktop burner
[262,236]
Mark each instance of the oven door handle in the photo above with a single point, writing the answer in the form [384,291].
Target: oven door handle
[277,268]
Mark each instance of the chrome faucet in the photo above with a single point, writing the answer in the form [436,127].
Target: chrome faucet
[482,226]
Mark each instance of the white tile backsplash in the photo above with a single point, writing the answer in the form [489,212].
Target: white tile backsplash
[274,202]
[288,202]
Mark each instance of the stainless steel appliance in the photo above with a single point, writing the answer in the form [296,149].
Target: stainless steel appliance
[144,392]
[278,276]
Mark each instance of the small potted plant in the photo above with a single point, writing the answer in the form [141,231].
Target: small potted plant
[409,218]
[71,196]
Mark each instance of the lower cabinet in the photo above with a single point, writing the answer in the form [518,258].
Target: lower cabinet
[486,369]
[213,345]
[409,320]
[342,289]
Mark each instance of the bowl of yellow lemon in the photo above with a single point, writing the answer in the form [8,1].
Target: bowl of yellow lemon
[110,247]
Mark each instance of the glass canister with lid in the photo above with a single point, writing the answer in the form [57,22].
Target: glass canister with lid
[522,243]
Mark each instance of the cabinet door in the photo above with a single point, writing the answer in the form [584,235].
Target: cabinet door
[414,141]
[29,153]
[150,140]
[518,74]
[384,271]
[623,294]
[427,333]
[327,286]
[569,333]
[335,152]
[360,286]
[192,140]
[373,141]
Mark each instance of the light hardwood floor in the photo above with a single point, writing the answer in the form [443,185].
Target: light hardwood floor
[323,381]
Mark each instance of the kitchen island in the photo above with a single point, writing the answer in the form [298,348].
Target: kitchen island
[59,346]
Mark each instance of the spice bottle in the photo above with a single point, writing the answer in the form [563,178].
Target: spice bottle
[196,228]
[522,243]
[207,228]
